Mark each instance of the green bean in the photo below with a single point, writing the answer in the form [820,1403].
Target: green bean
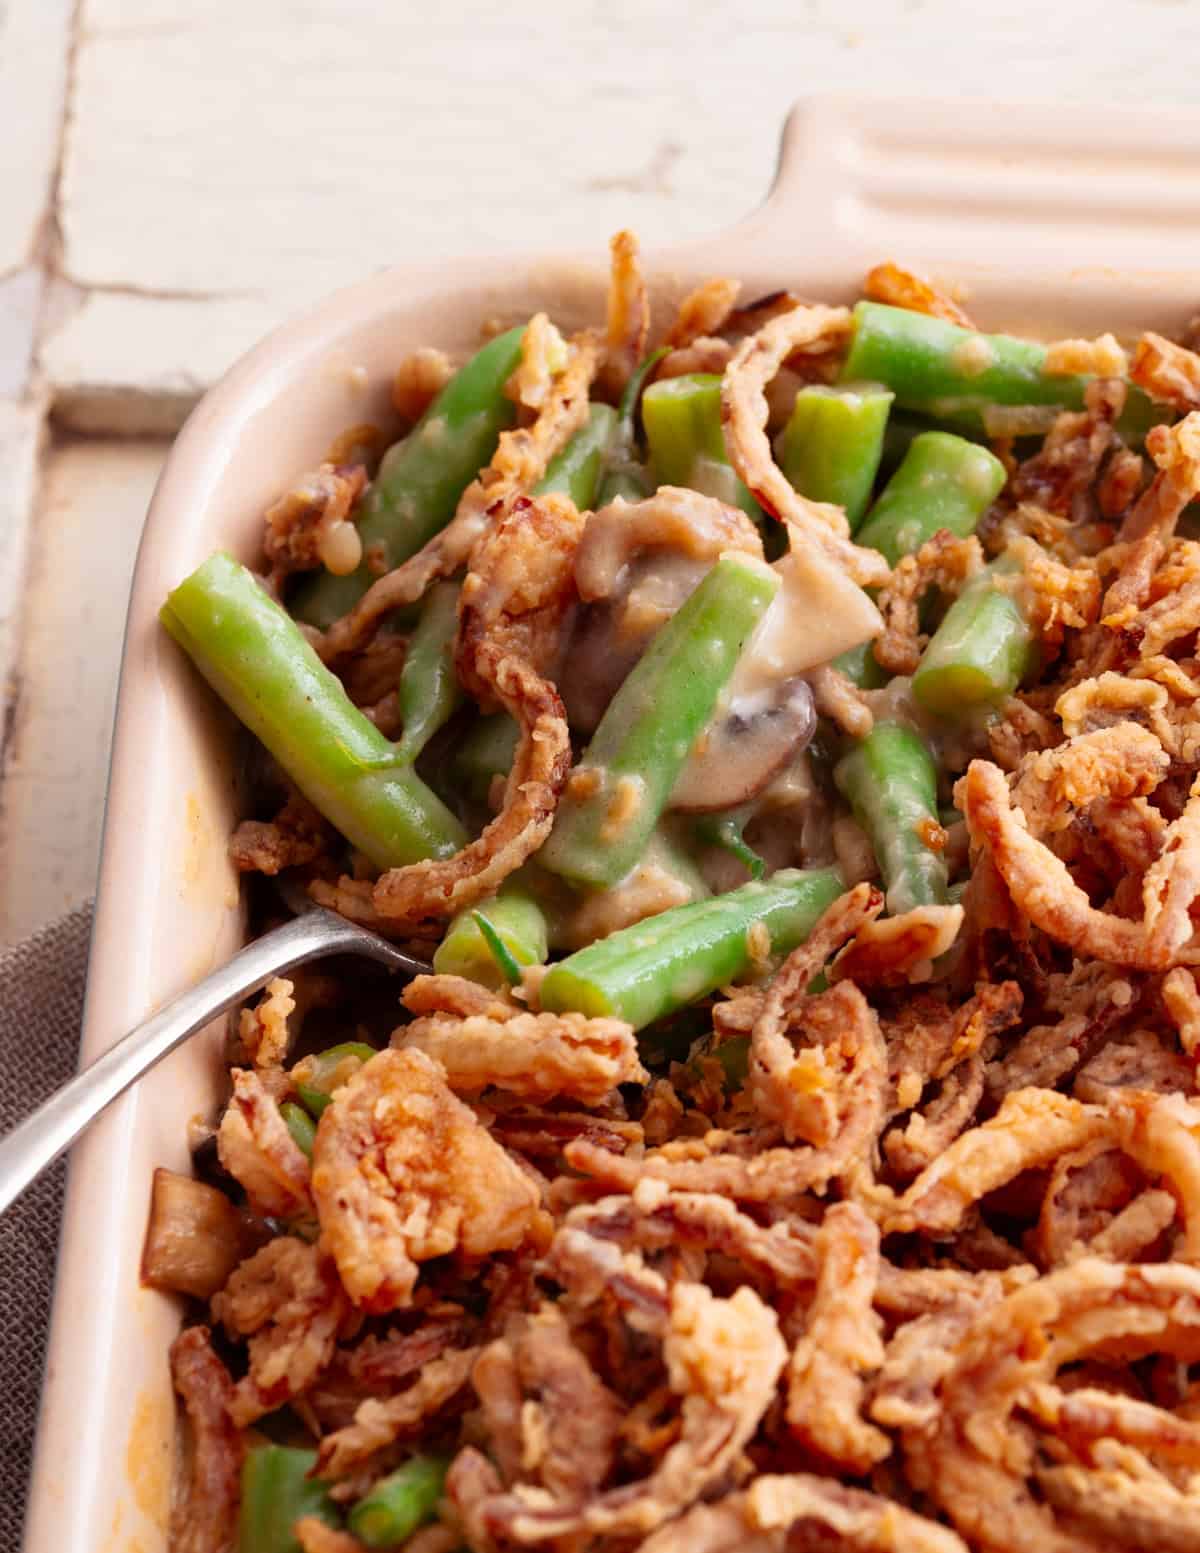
[255,658]
[423,476]
[890,782]
[276,1493]
[953,373]
[488,751]
[944,482]
[429,690]
[980,653]
[624,780]
[831,446]
[861,667]
[682,418]
[576,471]
[301,1126]
[647,971]
[399,1503]
[519,924]
[318,1076]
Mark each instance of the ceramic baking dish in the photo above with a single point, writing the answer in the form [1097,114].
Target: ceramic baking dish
[1054,221]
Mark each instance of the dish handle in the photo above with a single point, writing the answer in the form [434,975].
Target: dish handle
[990,186]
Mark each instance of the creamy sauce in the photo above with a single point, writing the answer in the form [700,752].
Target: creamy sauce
[817,614]
[650,889]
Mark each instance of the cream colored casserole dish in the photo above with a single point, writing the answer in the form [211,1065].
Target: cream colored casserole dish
[1056,221]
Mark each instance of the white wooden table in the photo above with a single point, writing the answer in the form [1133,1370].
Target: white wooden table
[176,178]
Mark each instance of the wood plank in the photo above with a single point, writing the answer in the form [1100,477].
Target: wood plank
[343,135]
[34,41]
[90,510]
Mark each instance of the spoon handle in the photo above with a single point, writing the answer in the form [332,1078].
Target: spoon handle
[39,1140]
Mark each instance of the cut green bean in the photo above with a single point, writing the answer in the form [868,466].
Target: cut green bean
[624,780]
[953,373]
[682,420]
[979,654]
[301,1126]
[647,971]
[399,1503]
[276,1493]
[890,781]
[429,690]
[423,476]
[944,482]
[861,667]
[255,658]
[577,469]
[488,751]
[318,1076]
[833,441]
[520,927]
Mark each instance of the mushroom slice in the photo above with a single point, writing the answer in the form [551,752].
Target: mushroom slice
[745,747]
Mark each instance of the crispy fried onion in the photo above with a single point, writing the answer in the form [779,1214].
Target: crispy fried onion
[313,524]
[1053,786]
[517,465]
[287,1300]
[744,417]
[263,1029]
[1058,477]
[654,1220]
[1100,357]
[837,697]
[1168,372]
[402,1172]
[1043,889]
[628,316]
[1146,530]
[723,1358]
[257,1149]
[204,1517]
[901,288]
[1053,596]
[896,950]
[704,311]
[537,1056]
[758,1166]
[553,1421]
[1031,1128]
[945,562]
[928,1037]
[513,606]
[841,1345]
[380,1421]
[781,1513]
[799,1090]
[976,1458]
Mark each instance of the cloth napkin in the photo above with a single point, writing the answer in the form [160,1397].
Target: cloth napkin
[41,1008]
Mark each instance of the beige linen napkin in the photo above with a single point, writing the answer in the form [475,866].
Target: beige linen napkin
[41,1006]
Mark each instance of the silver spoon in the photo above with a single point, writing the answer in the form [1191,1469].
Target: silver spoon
[39,1140]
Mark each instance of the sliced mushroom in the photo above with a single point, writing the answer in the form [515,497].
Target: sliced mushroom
[745,748]
[636,565]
